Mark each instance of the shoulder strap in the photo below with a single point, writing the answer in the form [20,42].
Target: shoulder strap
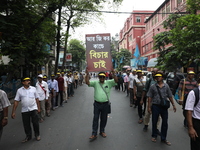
[159,92]
[104,91]
[196,93]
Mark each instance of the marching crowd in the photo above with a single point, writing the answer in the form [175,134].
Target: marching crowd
[151,96]
[37,101]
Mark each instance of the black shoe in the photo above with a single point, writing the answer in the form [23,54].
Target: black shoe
[145,128]
[26,139]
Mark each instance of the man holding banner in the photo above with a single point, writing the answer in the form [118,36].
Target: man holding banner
[101,104]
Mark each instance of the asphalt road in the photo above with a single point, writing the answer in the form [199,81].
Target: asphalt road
[69,128]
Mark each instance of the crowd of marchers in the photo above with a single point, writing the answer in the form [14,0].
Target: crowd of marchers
[152,97]
[38,101]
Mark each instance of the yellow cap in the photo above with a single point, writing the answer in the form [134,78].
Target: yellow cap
[158,75]
[27,78]
[102,74]
[139,71]
[58,72]
[191,72]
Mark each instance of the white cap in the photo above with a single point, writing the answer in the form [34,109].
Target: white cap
[40,76]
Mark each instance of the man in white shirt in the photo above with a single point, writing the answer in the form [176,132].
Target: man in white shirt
[42,90]
[30,108]
[132,76]
[54,90]
[192,108]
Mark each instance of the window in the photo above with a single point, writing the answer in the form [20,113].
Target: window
[146,18]
[130,38]
[138,19]
[179,2]
[168,9]
[163,13]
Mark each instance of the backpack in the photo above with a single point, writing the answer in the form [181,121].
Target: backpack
[196,93]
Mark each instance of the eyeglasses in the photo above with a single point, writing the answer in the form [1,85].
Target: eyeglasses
[101,76]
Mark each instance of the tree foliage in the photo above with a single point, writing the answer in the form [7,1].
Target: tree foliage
[179,46]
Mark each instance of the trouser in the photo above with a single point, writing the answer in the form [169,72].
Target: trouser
[76,84]
[126,88]
[195,145]
[100,111]
[69,90]
[131,95]
[60,95]
[156,111]
[65,95]
[120,85]
[53,99]
[147,118]
[27,118]
[72,89]
[48,105]
[1,127]
[140,106]
[42,109]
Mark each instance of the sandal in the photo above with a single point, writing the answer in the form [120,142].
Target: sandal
[166,142]
[103,134]
[153,140]
[92,138]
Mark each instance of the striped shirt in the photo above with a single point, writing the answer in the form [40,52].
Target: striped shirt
[189,85]
[4,102]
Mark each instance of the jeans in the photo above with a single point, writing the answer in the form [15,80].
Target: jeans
[156,111]
[27,118]
[140,112]
[100,111]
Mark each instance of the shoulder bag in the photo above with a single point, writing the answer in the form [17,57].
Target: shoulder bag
[164,102]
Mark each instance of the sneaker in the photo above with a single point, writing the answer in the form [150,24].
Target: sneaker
[145,128]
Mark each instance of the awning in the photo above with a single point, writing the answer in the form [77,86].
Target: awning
[152,62]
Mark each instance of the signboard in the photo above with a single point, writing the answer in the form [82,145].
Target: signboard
[68,56]
[98,52]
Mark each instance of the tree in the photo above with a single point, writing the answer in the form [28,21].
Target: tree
[182,40]
[77,49]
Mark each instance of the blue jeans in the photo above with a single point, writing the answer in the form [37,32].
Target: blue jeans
[100,111]
[156,111]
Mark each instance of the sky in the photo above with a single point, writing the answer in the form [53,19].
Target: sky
[113,23]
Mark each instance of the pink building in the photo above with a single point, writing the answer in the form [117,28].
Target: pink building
[143,33]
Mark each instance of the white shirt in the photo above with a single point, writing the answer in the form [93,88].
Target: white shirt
[41,93]
[4,102]
[190,105]
[65,81]
[131,79]
[69,80]
[27,98]
[53,85]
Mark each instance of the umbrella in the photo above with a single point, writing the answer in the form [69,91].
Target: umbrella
[126,66]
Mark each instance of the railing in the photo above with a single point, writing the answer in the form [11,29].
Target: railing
[11,87]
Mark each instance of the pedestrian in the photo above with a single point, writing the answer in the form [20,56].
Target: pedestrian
[76,80]
[54,90]
[132,76]
[4,104]
[138,86]
[42,90]
[102,88]
[156,94]
[192,109]
[126,80]
[65,95]
[60,81]
[48,101]
[185,86]
[150,81]
[120,81]
[81,79]
[30,108]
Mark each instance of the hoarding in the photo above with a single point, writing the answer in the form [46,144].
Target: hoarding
[98,53]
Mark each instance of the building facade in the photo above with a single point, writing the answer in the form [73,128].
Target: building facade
[149,27]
